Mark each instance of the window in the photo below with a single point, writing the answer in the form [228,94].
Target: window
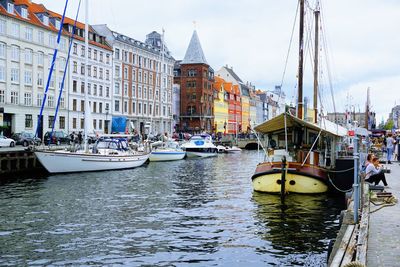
[28,77]
[14,53]
[108,58]
[75,67]
[40,56]
[82,87]
[39,100]
[2,73]
[75,48]
[10,8]
[28,56]
[2,26]
[82,123]
[74,123]
[51,119]
[140,108]
[28,34]
[100,90]
[52,41]
[116,105]
[89,89]
[82,51]
[28,121]
[90,53]
[14,75]
[139,92]
[125,73]
[95,72]
[133,75]
[3,50]
[2,96]
[95,54]
[82,69]
[145,93]
[94,124]
[40,79]
[74,85]
[150,109]
[89,69]
[58,24]
[52,82]
[46,20]
[144,109]
[133,107]
[116,88]
[125,106]
[83,105]
[133,91]
[62,122]
[101,73]
[107,91]
[125,89]
[74,104]
[116,53]
[100,107]
[107,75]
[24,13]
[62,62]
[41,37]
[94,89]
[100,124]
[15,30]
[94,107]
[62,102]
[28,99]
[117,72]
[101,56]
[50,101]
[14,98]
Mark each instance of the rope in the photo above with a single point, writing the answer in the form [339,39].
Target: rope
[338,189]
[341,170]
[385,202]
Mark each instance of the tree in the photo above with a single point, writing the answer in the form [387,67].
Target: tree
[389,125]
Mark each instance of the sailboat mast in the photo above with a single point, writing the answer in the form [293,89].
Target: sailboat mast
[87,106]
[316,14]
[300,72]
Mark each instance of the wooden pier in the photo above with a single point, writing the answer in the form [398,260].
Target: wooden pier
[375,239]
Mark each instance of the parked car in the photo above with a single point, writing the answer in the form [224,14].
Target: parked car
[58,138]
[26,139]
[4,141]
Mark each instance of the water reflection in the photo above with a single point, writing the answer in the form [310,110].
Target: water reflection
[301,228]
[200,212]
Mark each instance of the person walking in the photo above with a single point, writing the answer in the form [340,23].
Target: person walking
[389,148]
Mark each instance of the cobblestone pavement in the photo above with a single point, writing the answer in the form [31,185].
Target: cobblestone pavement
[384,227]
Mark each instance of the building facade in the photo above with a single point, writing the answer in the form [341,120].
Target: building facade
[196,79]
[28,34]
[221,96]
[142,85]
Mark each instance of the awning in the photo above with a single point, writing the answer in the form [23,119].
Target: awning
[278,123]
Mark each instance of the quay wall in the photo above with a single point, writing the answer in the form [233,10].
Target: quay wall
[15,162]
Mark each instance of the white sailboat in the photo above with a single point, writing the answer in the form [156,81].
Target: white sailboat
[107,154]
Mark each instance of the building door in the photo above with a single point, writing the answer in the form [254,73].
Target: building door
[106,123]
[40,130]
[7,123]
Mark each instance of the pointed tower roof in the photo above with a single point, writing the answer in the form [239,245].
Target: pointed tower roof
[194,53]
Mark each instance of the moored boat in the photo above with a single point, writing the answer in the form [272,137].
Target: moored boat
[200,146]
[166,151]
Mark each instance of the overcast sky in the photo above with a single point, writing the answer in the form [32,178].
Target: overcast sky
[253,37]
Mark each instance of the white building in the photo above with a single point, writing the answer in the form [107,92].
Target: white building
[28,35]
[142,86]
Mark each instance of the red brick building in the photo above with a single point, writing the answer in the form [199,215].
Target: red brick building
[196,79]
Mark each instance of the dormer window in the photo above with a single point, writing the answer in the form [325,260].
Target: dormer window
[45,20]
[24,13]
[58,24]
[10,8]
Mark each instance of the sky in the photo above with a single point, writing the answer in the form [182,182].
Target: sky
[253,36]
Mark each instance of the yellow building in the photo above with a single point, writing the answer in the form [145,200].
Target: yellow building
[221,105]
[245,108]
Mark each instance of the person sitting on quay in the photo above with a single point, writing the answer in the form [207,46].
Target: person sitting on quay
[374,173]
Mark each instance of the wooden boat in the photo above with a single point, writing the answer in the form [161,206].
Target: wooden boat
[308,150]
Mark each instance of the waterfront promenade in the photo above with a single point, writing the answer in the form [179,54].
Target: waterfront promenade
[384,227]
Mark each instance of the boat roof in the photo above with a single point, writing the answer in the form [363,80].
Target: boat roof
[278,123]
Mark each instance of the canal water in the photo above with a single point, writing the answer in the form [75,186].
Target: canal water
[190,212]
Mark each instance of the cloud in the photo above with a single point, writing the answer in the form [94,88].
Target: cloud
[253,36]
